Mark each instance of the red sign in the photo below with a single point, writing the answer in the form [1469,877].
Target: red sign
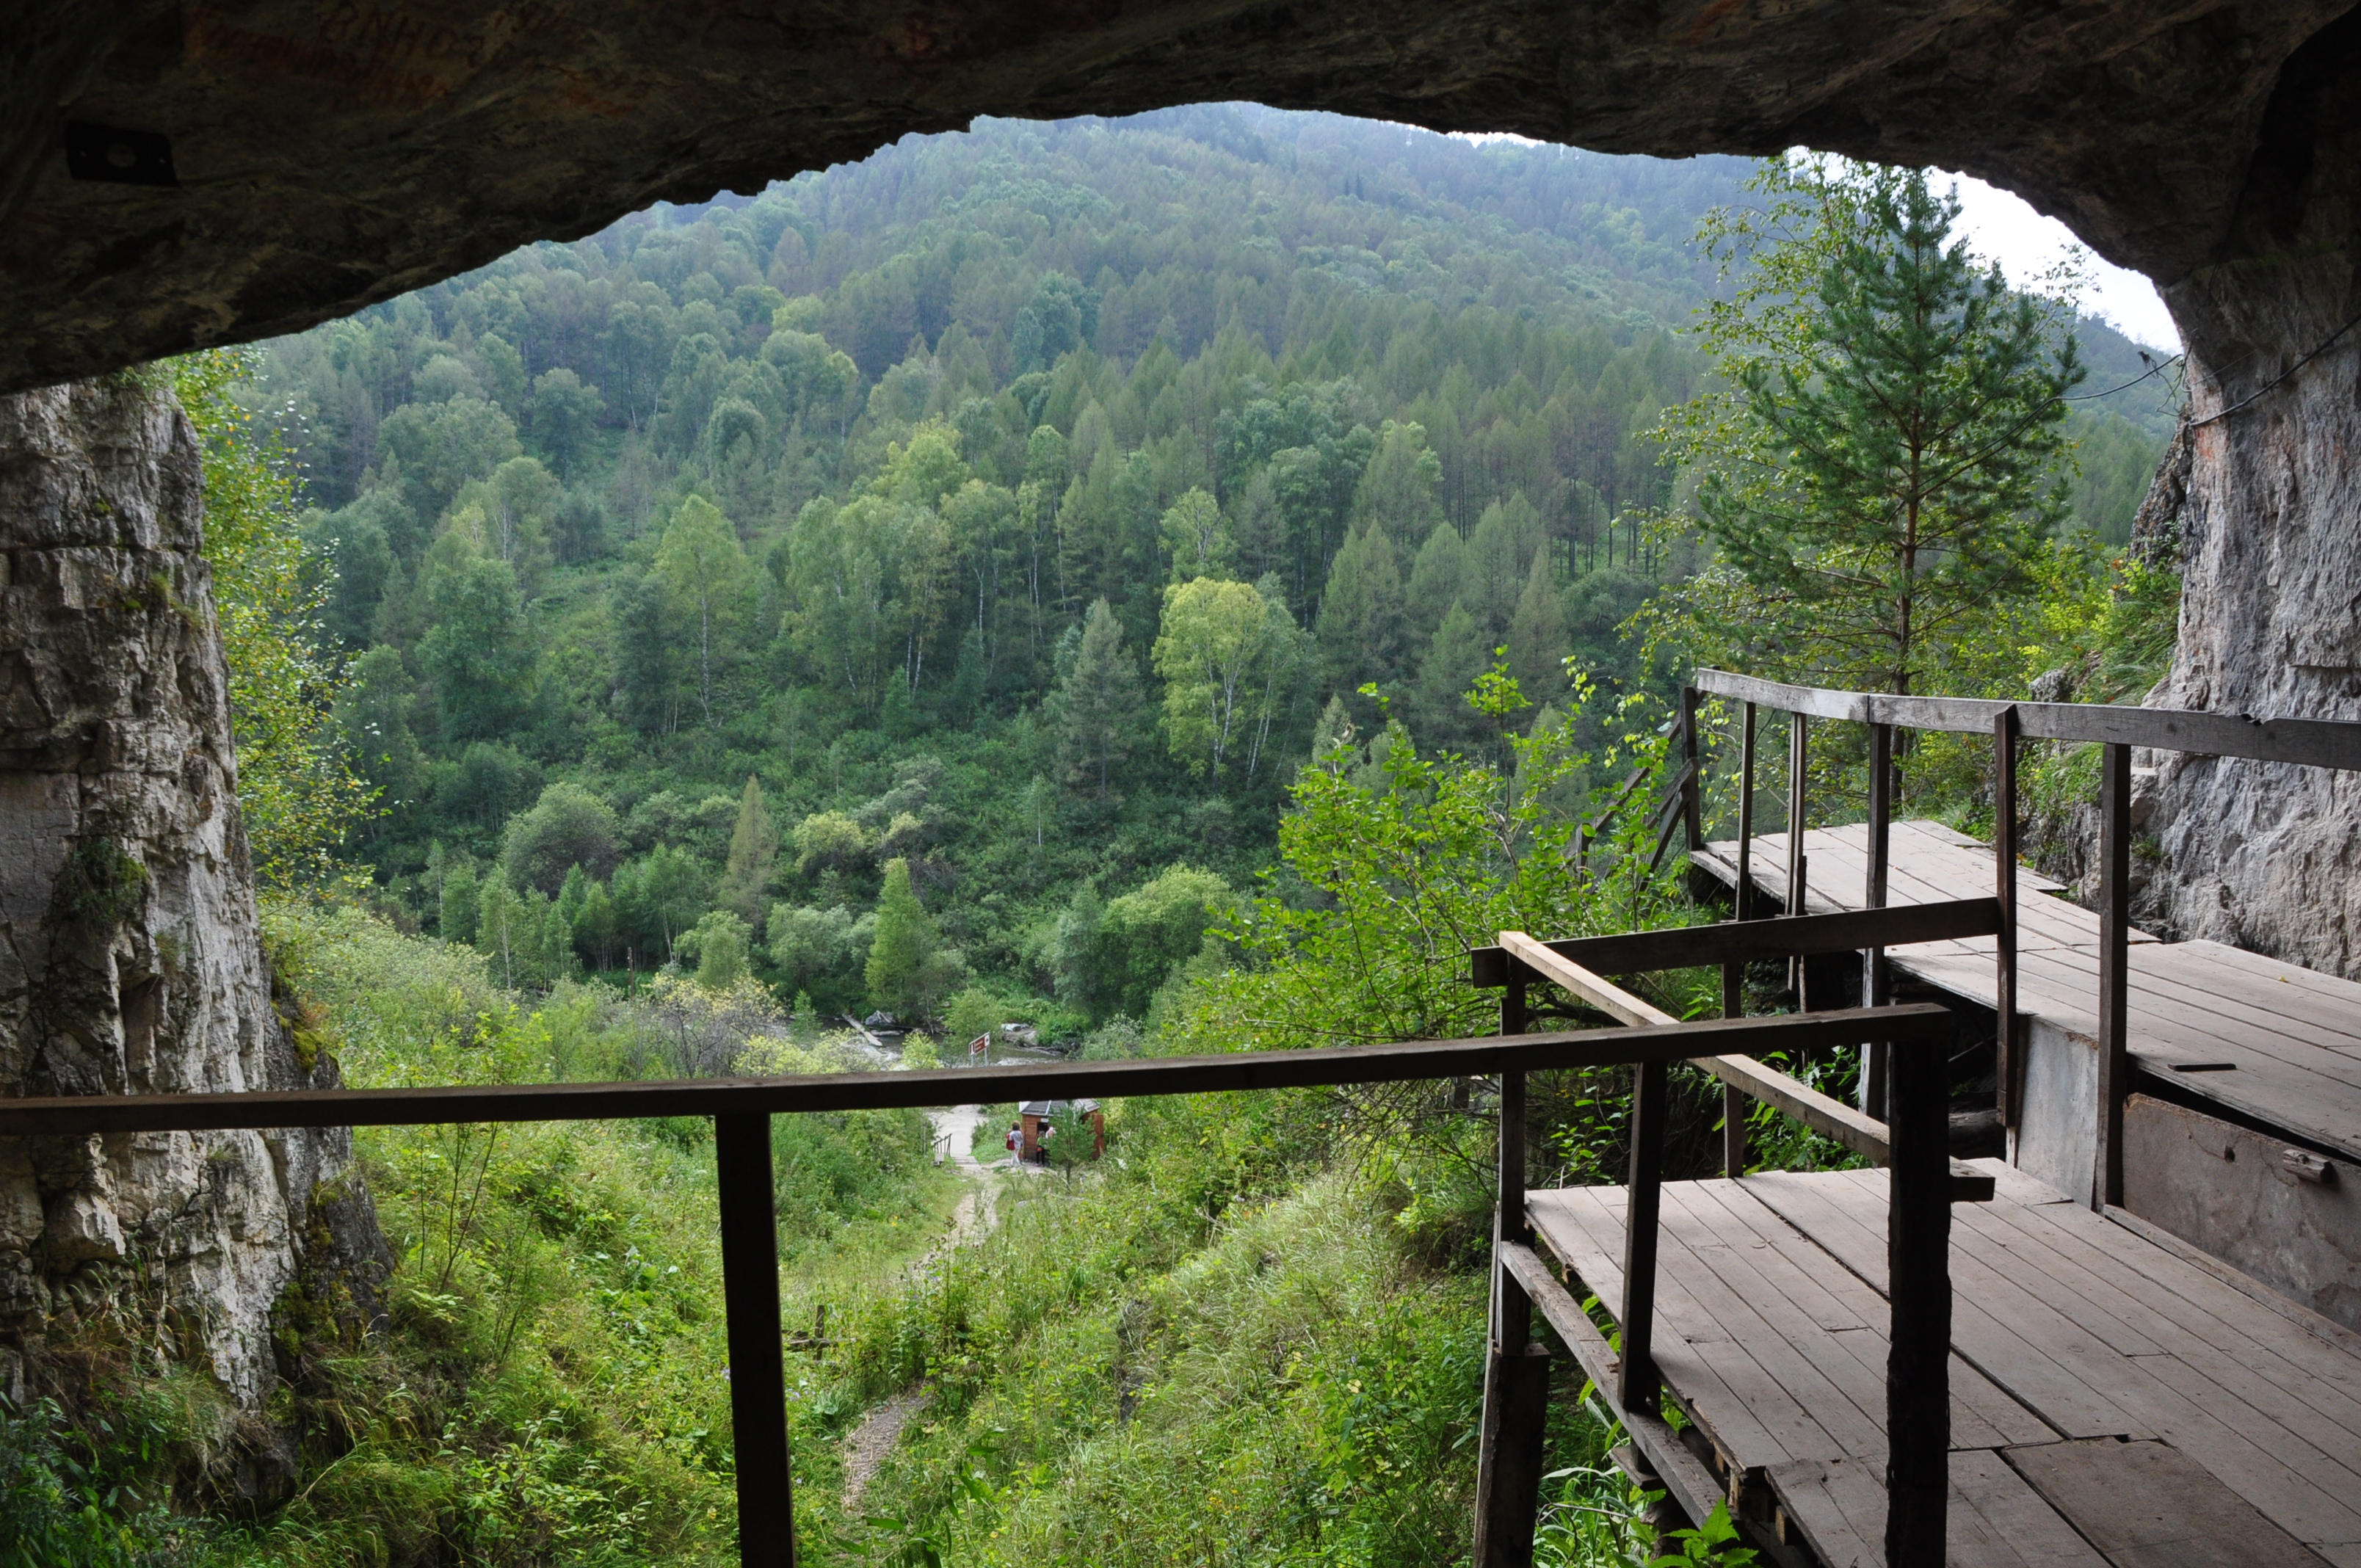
[978,1046]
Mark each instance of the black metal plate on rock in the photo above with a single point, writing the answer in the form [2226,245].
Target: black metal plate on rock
[119,157]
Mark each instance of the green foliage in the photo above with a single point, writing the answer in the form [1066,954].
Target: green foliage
[59,1505]
[296,790]
[907,972]
[754,851]
[1113,956]
[720,943]
[553,1388]
[1229,655]
[567,827]
[973,1011]
[1115,1385]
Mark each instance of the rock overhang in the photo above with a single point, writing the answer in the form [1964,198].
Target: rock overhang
[329,154]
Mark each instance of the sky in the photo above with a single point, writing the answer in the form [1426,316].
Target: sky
[2005,228]
[2002,226]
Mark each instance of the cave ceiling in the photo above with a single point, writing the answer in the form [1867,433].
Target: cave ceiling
[287,161]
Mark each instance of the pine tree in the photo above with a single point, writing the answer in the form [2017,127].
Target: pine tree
[1098,704]
[1880,474]
[902,954]
[1359,629]
[1435,579]
[753,852]
[1397,490]
[1440,716]
[1537,640]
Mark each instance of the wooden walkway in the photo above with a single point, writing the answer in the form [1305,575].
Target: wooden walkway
[2270,1041]
[2113,1402]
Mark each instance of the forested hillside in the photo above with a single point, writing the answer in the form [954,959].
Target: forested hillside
[973,539]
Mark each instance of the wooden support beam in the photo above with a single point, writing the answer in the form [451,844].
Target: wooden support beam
[2009,1068]
[758,1381]
[2115,969]
[1799,750]
[1640,1389]
[1733,1102]
[1516,1388]
[1567,975]
[1730,941]
[1508,1458]
[1918,1274]
[1692,797]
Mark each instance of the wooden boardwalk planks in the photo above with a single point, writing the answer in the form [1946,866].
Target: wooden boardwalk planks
[2146,1502]
[2294,1034]
[1771,1331]
[1995,1520]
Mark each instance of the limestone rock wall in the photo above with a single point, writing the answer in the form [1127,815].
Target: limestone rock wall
[2268,513]
[130,957]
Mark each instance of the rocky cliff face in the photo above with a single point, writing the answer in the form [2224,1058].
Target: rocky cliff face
[130,957]
[2266,510]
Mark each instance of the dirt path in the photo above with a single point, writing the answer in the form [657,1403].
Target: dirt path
[978,1212]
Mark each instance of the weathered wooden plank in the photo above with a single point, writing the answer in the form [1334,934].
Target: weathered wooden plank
[2296,1349]
[2087,1324]
[2261,1295]
[2146,1503]
[1753,1299]
[1995,1520]
[1831,1318]
[2156,1395]
[2041,1358]
[1584,1228]
[2188,977]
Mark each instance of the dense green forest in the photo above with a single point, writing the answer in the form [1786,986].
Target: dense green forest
[820,490]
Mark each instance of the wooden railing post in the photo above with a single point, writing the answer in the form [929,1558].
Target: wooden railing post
[1641,1387]
[758,1384]
[1799,760]
[1692,792]
[1918,1273]
[1876,986]
[2008,1074]
[1745,899]
[2114,971]
[1516,1371]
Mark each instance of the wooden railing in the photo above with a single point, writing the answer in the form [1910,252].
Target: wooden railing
[2117,730]
[741,1109]
[1913,1144]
